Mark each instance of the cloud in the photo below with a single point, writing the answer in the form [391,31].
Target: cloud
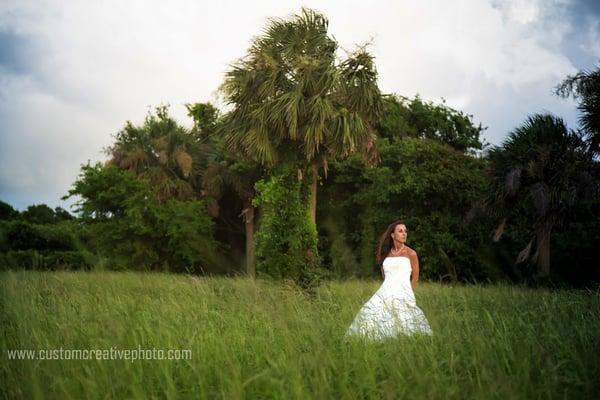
[592,45]
[72,73]
[496,61]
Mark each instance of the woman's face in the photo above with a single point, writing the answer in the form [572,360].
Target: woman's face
[400,233]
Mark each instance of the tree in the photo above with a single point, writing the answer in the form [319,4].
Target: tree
[585,87]
[542,167]
[226,171]
[39,214]
[205,117]
[291,99]
[430,186]
[142,201]
[163,152]
[426,120]
[7,212]
[127,223]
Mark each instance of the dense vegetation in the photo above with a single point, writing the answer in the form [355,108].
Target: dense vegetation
[310,165]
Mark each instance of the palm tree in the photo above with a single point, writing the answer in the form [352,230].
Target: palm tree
[240,176]
[163,152]
[223,171]
[291,96]
[543,167]
[585,86]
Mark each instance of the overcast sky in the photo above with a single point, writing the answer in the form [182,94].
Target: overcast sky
[72,72]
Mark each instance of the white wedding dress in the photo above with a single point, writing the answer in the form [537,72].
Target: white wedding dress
[392,310]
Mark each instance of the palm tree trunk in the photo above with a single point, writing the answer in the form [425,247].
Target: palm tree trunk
[314,166]
[249,224]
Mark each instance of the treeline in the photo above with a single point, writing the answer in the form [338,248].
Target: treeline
[40,238]
[311,164]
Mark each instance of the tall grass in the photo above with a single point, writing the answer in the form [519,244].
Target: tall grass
[271,340]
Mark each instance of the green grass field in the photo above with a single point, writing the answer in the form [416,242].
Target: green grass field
[270,340]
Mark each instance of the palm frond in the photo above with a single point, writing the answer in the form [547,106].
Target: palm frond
[524,254]
[289,95]
[184,162]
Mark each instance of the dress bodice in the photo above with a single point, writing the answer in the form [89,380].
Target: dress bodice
[397,269]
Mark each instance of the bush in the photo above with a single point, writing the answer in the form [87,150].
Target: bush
[175,236]
[286,240]
[128,225]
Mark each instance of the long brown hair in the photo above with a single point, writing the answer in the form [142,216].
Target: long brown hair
[385,242]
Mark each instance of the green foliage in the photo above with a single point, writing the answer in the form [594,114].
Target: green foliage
[427,184]
[35,214]
[39,214]
[106,192]
[205,117]
[416,118]
[7,211]
[127,223]
[21,235]
[286,240]
[42,246]
[186,232]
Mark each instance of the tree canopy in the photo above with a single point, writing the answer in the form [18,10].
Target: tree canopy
[290,94]
[417,118]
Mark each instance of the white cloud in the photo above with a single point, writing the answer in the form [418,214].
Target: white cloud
[592,45]
[523,11]
[94,65]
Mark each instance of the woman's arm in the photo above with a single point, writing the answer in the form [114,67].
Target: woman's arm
[414,263]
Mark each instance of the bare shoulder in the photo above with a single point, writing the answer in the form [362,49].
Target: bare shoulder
[411,252]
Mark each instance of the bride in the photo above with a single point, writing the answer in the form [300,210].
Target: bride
[393,310]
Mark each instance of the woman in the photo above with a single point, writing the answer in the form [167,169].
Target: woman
[393,310]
